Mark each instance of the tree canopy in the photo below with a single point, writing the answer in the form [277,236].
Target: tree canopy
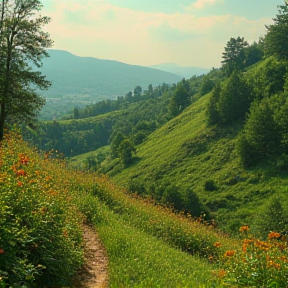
[276,40]
[234,55]
[23,43]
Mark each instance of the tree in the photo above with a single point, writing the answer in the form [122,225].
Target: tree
[137,91]
[22,44]
[253,54]
[180,100]
[260,134]
[235,98]
[126,148]
[276,40]
[212,112]
[207,85]
[115,144]
[234,55]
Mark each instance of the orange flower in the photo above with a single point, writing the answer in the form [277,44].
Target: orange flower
[262,245]
[221,273]
[244,229]
[274,235]
[246,242]
[217,244]
[229,253]
[20,184]
[23,159]
[21,172]
[273,264]
[1,251]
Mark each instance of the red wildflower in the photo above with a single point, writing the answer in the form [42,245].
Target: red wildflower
[20,184]
[21,172]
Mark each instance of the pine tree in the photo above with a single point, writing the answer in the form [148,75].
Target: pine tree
[234,55]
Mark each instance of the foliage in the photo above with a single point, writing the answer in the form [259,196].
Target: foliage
[234,55]
[179,101]
[125,150]
[212,112]
[259,264]
[254,53]
[22,42]
[260,135]
[40,231]
[268,78]
[234,99]
[276,39]
[272,218]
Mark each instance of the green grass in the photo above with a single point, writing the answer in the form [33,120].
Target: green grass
[137,259]
[188,153]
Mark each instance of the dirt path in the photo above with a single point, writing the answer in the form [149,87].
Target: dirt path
[94,272]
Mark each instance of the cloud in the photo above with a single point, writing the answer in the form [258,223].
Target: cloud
[102,30]
[200,4]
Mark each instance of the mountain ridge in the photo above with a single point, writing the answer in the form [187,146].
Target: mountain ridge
[77,75]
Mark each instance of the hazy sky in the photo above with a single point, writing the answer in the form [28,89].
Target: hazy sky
[148,32]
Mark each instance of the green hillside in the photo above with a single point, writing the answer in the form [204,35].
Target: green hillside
[193,155]
[80,81]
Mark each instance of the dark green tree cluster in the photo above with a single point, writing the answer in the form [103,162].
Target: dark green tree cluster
[123,148]
[120,103]
[181,98]
[230,101]
[163,191]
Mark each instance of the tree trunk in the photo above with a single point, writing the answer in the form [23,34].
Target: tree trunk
[2,120]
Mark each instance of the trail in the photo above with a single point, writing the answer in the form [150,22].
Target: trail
[94,272]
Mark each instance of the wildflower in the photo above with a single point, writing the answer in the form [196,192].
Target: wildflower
[246,242]
[1,251]
[221,273]
[23,159]
[211,258]
[217,244]
[273,264]
[262,245]
[20,184]
[244,229]
[229,253]
[21,172]
[274,235]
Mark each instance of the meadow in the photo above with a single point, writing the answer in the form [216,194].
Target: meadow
[44,206]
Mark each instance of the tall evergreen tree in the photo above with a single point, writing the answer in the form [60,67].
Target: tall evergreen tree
[234,55]
[22,42]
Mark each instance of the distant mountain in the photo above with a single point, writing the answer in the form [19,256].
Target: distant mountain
[186,72]
[97,78]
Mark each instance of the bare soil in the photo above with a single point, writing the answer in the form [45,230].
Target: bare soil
[94,271]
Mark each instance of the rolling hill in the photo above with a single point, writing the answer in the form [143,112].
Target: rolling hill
[98,78]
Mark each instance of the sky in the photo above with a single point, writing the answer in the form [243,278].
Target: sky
[149,32]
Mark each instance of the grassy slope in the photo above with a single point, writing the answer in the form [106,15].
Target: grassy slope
[145,243]
[189,153]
